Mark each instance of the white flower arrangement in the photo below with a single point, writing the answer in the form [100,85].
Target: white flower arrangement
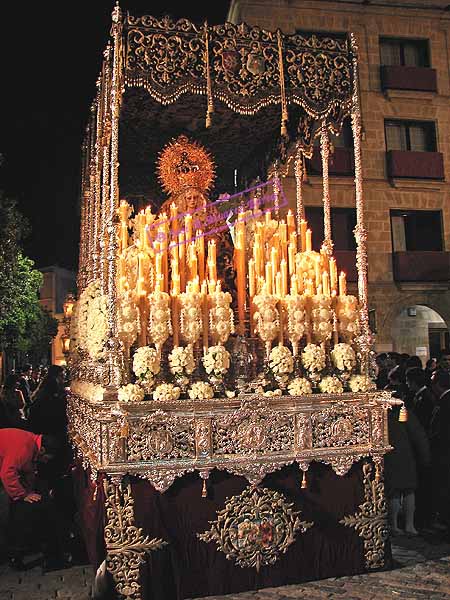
[361,383]
[322,318]
[166,392]
[331,385]
[181,361]
[160,325]
[130,393]
[128,325]
[313,357]
[347,317]
[295,308]
[216,360]
[281,360]
[201,390]
[90,391]
[299,386]
[146,363]
[343,357]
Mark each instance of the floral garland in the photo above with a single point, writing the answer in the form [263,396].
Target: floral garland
[343,357]
[130,393]
[166,392]
[347,315]
[89,326]
[322,318]
[128,325]
[313,358]
[216,360]
[201,391]
[331,385]
[160,325]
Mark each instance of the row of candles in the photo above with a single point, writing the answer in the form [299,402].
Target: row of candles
[276,266]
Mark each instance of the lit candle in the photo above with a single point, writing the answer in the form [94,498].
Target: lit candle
[200,239]
[308,240]
[278,285]
[342,284]
[251,278]
[283,239]
[293,239]
[291,258]
[174,220]
[318,272]
[290,223]
[182,260]
[239,253]
[269,277]
[284,278]
[274,261]
[303,228]
[141,226]
[205,316]
[175,315]
[192,261]
[268,217]
[211,286]
[123,236]
[326,283]
[123,210]
[188,228]
[294,287]
[333,274]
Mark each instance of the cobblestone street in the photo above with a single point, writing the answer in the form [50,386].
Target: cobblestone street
[422,572]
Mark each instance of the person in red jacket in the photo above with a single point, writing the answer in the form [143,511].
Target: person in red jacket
[32,514]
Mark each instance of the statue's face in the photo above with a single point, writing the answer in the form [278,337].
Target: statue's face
[193,200]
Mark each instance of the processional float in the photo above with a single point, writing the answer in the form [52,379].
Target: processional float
[209,337]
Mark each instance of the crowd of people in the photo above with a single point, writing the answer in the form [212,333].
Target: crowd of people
[35,460]
[417,470]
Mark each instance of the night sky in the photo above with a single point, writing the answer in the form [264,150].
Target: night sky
[50,62]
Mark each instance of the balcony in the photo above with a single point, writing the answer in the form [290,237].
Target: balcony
[346,261]
[420,79]
[341,162]
[415,165]
[421,266]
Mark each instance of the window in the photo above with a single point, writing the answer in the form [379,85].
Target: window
[416,230]
[404,52]
[343,222]
[410,136]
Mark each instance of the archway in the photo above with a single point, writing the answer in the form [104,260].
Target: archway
[420,330]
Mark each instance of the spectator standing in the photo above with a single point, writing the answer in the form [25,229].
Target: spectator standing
[12,404]
[444,360]
[440,446]
[430,368]
[421,398]
[24,386]
[35,379]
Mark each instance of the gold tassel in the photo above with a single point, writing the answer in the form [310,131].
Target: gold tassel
[304,483]
[403,415]
[204,490]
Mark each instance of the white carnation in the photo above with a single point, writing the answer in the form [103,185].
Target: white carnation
[343,357]
[166,392]
[299,387]
[201,391]
[216,360]
[331,385]
[146,363]
[313,357]
[361,383]
[130,393]
[281,360]
[181,360]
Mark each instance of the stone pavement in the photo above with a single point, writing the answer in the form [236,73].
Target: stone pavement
[422,572]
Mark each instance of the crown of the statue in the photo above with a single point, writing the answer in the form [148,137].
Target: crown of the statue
[183,164]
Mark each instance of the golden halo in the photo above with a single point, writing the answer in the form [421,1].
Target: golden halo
[183,164]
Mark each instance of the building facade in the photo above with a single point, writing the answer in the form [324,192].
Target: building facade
[404,57]
[57,284]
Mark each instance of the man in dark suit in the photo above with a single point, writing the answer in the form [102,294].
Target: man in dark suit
[422,400]
[440,446]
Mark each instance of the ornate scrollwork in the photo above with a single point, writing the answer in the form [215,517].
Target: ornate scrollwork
[126,545]
[370,521]
[161,435]
[162,478]
[340,425]
[255,528]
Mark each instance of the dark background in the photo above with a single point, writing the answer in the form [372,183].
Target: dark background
[51,58]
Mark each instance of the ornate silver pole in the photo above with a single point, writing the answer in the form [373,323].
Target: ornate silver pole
[106,136]
[298,172]
[364,340]
[115,349]
[325,153]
